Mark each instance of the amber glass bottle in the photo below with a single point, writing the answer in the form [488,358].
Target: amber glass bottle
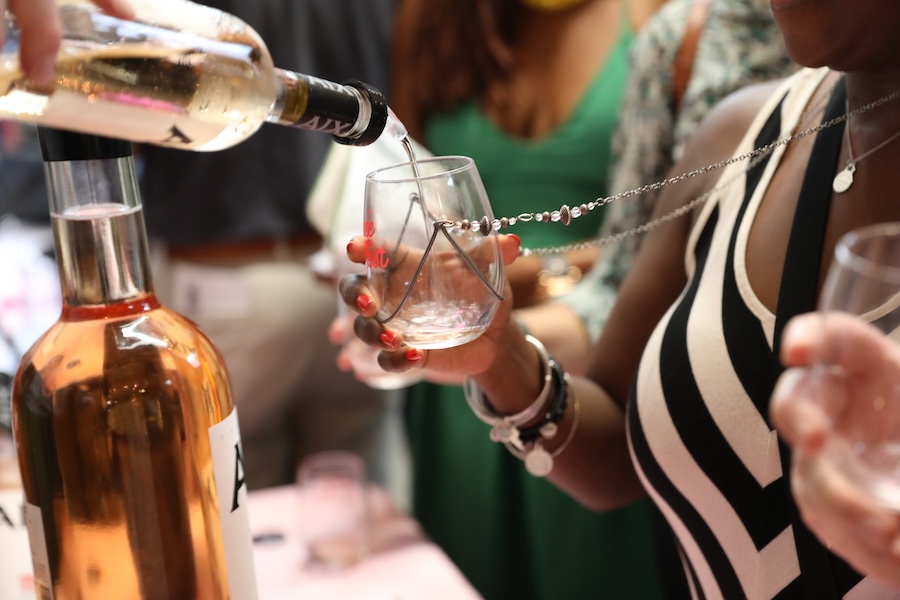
[126,434]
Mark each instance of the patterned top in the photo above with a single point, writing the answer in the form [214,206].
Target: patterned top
[697,419]
[739,45]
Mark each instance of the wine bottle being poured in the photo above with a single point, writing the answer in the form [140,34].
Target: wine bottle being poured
[180,75]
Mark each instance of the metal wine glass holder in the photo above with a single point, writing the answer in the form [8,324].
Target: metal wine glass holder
[439,226]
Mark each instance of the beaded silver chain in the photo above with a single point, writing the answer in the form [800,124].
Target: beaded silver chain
[565,214]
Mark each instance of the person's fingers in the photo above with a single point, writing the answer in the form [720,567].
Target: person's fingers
[403,359]
[796,411]
[40,32]
[510,245]
[356,249]
[116,8]
[358,296]
[838,339]
[338,331]
[846,519]
[824,492]
[343,361]
[394,356]
[355,294]
[375,334]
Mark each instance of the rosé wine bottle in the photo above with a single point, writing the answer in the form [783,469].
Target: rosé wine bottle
[126,434]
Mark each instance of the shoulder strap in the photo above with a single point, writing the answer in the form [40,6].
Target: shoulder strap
[823,575]
[683,63]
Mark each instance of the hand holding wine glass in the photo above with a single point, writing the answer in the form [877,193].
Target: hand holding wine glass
[470,358]
[838,404]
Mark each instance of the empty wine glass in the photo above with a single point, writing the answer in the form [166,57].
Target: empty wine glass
[863,444]
[436,274]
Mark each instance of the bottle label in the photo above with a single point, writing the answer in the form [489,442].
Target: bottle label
[43,582]
[331,107]
[228,468]
[162,126]
[16,582]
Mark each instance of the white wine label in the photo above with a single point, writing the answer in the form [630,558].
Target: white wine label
[228,468]
[16,582]
[43,581]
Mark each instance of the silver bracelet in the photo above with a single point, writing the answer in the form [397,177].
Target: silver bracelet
[505,427]
[537,460]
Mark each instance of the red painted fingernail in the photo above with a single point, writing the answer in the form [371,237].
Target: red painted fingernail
[387,338]
[349,246]
[413,355]
[517,238]
[363,302]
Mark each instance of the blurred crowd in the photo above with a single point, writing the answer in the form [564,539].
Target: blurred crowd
[559,102]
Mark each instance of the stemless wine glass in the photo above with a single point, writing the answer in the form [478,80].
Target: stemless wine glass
[863,446]
[436,275]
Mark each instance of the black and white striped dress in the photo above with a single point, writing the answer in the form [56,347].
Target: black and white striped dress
[697,422]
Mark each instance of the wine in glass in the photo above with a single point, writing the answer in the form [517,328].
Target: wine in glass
[436,275]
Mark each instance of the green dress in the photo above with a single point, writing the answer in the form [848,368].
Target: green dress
[515,536]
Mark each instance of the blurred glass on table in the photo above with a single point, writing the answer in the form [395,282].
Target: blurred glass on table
[333,515]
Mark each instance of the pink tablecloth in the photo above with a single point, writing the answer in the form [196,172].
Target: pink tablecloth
[403,565]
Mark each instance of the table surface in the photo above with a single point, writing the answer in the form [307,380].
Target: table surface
[403,565]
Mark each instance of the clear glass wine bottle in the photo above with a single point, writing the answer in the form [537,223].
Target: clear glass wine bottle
[181,75]
[126,434]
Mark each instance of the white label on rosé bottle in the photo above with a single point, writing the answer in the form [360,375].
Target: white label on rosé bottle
[228,468]
[43,582]
[16,582]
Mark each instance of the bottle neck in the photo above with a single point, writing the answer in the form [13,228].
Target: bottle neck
[353,114]
[99,232]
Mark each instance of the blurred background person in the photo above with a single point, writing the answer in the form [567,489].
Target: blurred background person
[529,89]
[232,248]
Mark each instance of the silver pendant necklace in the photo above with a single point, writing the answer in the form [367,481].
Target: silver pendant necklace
[844,179]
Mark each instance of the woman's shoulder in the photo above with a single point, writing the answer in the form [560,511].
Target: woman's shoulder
[733,116]
[737,111]
[725,125]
